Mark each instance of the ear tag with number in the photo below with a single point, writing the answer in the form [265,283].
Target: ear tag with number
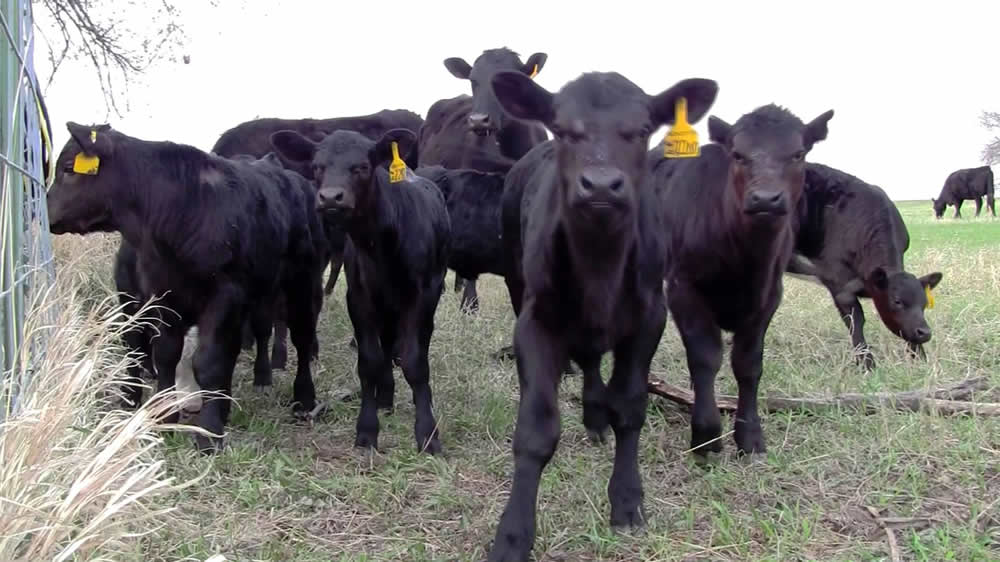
[681,140]
[397,168]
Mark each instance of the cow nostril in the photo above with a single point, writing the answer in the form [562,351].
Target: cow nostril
[586,184]
[616,184]
[923,332]
[338,197]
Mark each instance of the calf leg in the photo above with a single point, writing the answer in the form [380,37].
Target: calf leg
[627,396]
[372,364]
[958,209]
[853,315]
[415,339]
[248,335]
[302,314]
[459,283]
[214,360]
[470,298]
[262,318]
[991,203]
[702,340]
[279,352]
[595,406]
[540,356]
[336,261]
[167,348]
[979,206]
[385,384]
[747,362]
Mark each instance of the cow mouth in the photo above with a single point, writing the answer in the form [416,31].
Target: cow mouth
[484,131]
[82,227]
[768,212]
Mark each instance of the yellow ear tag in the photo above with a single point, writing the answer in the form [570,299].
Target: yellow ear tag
[397,168]
[93,136]
[930,296]
[86,165]
[534,72]
[681,140]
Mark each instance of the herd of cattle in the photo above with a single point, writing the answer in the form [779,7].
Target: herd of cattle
[596,236]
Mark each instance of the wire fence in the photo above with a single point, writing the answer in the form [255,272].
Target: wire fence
[26,265]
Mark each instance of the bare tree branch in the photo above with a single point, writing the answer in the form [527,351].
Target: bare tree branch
[121,39]
[991,152]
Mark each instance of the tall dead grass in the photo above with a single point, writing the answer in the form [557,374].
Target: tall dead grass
[79,478]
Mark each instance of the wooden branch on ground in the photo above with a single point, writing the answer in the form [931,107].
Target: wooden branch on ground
[946,401]
[889,535]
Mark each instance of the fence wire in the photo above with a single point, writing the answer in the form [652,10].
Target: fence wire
[26,265]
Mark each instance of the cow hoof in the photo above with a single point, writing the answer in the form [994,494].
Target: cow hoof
[263,389]
[702,446]
[570,369]
[597,437]
[867,362]
[365,440]
[431,447]
[208,445]
[302,414]
[749,438]
[628,521]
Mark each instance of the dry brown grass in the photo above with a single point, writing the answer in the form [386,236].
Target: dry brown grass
[80,479]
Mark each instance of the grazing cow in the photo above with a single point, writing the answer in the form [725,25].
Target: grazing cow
[211,236]
[967,183]
[474,132]
[395,262]
[254,138]
[725,261]
[275,312]
[580,222]
[473,200]
[853,239]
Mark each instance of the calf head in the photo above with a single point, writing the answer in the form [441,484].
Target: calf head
[939,206]
[900,299]
[601,123]
[345,166]
[486,117]
[81,195]
[767,149]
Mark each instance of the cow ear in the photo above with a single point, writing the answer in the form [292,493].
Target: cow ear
[880,279]
[94,140]
[718,130]
[931,279]
[698,92]
[381,153]
[534,64]
[458,67]
[816,130]
[293,146]
[522,97]
[272,158]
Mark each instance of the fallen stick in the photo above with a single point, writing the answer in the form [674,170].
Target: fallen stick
[945,401]
[889,535]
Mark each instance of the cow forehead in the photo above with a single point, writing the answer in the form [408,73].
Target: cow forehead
[769,141]
[598,96]
[344,146]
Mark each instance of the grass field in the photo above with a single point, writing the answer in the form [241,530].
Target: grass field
[285,491]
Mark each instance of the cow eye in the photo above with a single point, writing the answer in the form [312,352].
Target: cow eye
[739,157]
[799,156]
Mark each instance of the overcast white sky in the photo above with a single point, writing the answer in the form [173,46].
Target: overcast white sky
[907,79]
